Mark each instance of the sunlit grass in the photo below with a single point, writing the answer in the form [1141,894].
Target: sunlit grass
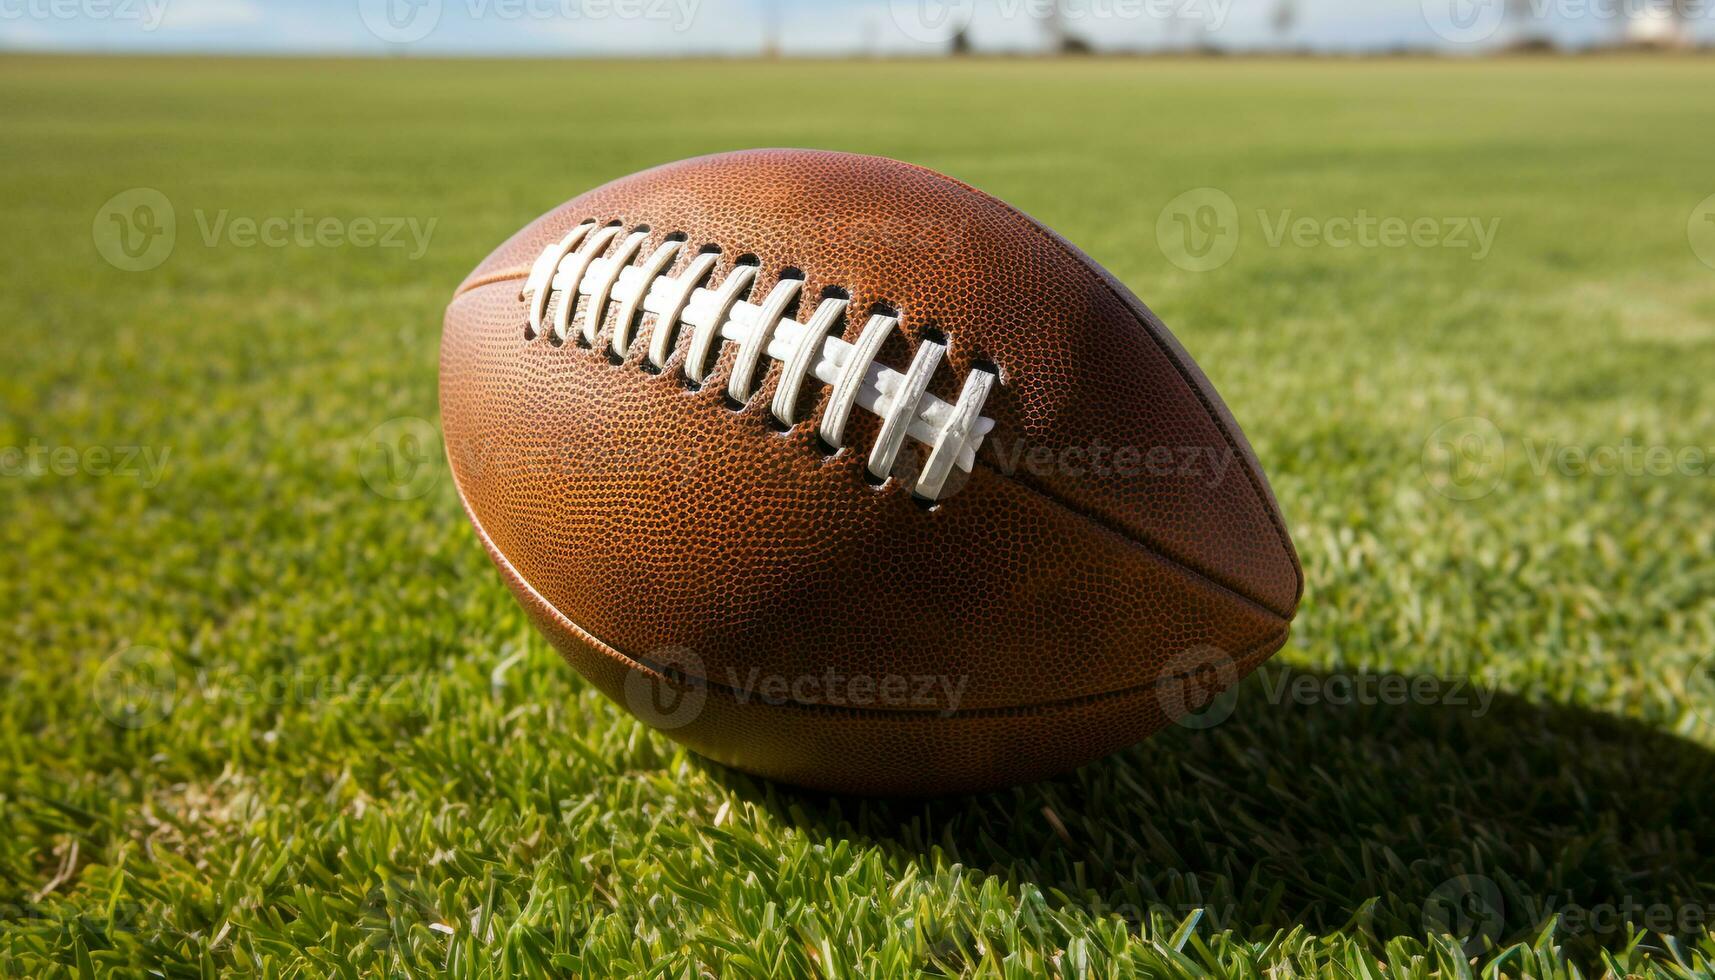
[331,744]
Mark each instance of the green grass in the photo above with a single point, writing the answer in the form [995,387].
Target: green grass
[367,763]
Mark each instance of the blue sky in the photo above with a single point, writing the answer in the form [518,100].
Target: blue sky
[806,27]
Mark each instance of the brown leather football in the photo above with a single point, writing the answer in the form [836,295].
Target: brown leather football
[844,473]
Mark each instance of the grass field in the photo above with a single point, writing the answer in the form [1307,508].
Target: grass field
[268,708]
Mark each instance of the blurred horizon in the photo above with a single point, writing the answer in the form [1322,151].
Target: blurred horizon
[847,28]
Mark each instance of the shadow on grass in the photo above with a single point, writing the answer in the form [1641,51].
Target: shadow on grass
[1387,805]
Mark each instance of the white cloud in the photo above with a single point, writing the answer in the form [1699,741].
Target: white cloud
[212,13]
[18,34]
[603,26]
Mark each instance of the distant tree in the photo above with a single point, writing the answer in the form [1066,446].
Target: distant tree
[960,45]
[1523,33]
[1054,29]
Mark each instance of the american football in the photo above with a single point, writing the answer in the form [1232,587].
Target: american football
[846,474]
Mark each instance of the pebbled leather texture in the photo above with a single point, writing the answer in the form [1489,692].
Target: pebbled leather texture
[1115,556]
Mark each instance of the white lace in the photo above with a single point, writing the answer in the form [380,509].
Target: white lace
[581,265]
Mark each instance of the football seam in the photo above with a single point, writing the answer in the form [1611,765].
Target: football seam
[1102,524]
[1238,662]
[1041,231]
[1258,652]
[490,279]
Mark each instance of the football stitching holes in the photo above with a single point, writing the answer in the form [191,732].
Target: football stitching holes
[609,268]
